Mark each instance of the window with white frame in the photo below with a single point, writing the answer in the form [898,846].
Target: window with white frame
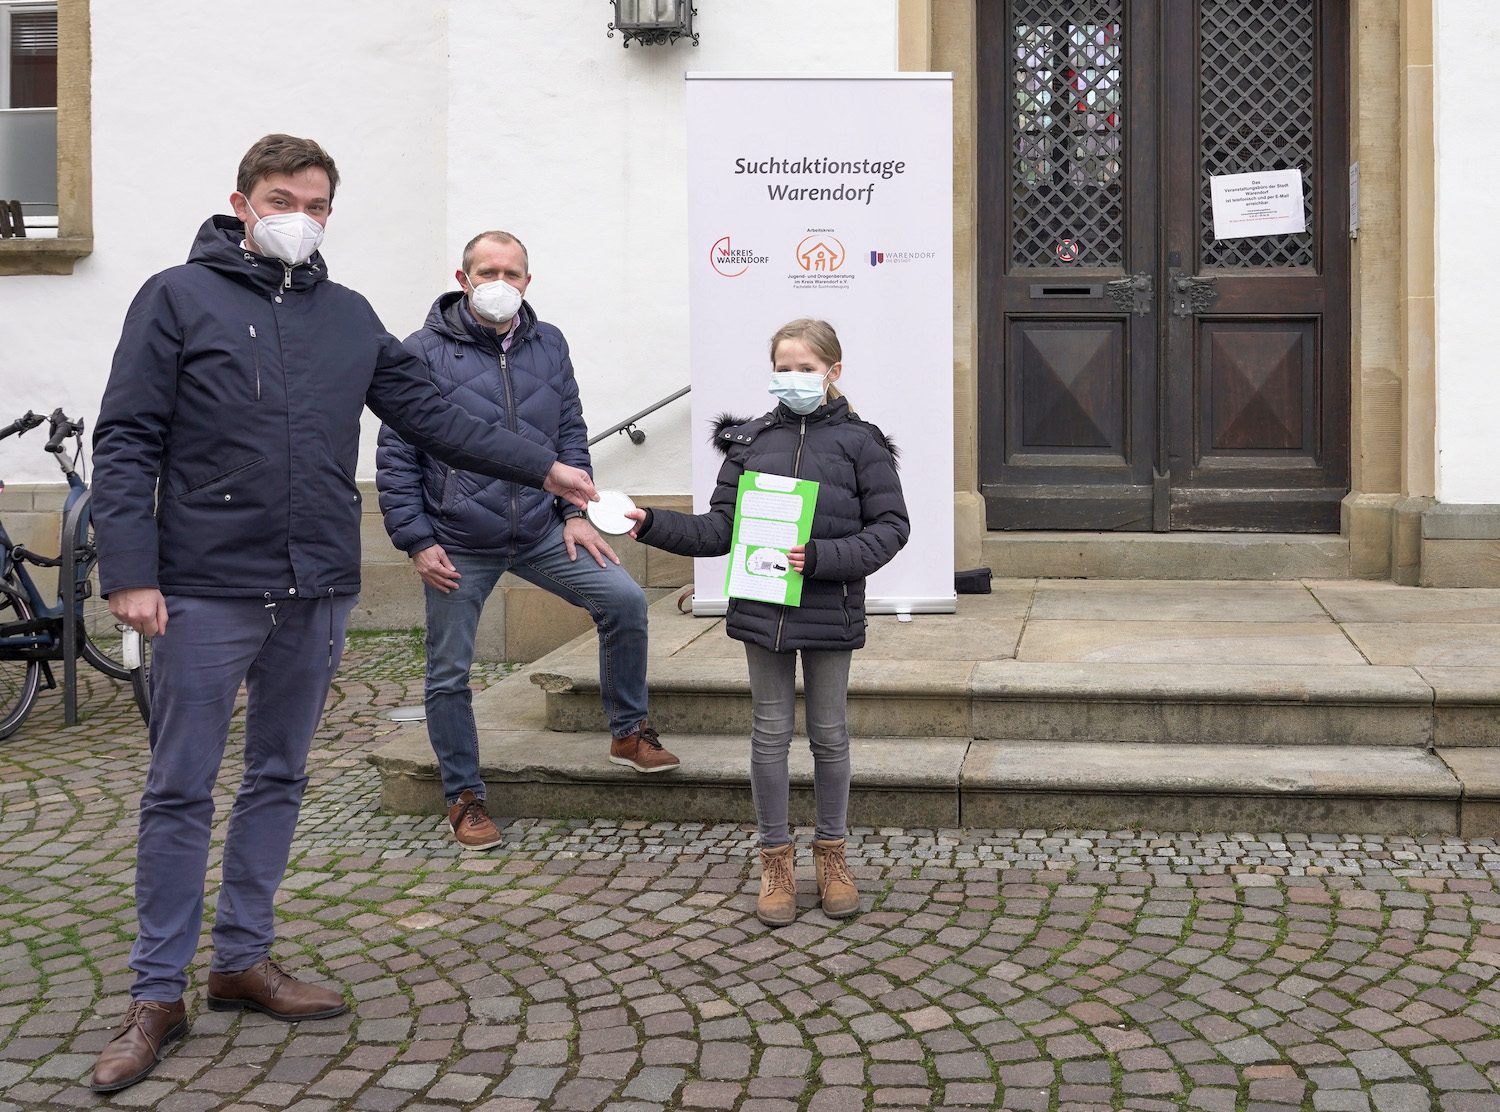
[28,112]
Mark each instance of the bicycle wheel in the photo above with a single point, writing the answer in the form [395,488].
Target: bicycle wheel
[140,681]
[99,634]
[19,679]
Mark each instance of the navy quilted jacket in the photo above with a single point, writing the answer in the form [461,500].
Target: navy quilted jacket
[529,390]
[859,523]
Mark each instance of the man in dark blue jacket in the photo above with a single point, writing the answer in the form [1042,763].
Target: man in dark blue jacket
[487,351]
[225,508]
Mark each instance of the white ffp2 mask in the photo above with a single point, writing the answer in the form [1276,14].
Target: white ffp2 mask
[496,302]
[291,237]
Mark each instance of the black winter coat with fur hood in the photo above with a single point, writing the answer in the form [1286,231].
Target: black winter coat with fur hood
[859,523]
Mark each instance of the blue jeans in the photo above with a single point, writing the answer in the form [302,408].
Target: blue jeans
[286,654]
[613,600]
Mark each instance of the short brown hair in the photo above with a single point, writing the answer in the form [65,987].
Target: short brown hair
[284,154]
[499,236]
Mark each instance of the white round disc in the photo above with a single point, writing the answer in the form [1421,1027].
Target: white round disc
[608,514]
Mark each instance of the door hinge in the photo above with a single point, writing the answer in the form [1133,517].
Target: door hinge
[1190,295]
[1133,294]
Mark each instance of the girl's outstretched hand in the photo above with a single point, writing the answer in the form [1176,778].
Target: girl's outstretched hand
[797,557]
[637,516]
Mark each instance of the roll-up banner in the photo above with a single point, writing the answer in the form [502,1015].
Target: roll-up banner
[829,197]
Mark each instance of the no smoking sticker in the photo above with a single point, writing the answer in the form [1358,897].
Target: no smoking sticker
[1068,250]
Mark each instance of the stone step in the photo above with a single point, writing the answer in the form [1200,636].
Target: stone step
[947,782]
[1267,556]
[1262,704]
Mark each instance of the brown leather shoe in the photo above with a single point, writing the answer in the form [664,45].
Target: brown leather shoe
[642,751]
[149,1028]
[268,988]
[835,883]
[472,826]
[777,905]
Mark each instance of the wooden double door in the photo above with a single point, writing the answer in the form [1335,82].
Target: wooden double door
[1137,371]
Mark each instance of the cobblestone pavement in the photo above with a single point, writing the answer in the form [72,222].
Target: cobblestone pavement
[590,965]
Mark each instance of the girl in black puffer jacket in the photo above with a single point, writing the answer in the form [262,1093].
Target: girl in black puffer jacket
[859,524]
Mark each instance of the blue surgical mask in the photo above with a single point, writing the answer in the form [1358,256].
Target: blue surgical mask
[799,391]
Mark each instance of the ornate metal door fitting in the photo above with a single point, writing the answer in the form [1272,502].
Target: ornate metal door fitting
[1133,294]
[1191,296]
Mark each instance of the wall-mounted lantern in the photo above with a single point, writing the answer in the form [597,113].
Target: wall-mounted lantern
[653,22]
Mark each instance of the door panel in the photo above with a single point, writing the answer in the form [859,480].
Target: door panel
[1135,371]
[1256,346]
[1068,394]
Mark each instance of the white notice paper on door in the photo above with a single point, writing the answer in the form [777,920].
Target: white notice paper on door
[1268,203]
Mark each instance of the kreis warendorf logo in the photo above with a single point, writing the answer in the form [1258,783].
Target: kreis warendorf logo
[731,261]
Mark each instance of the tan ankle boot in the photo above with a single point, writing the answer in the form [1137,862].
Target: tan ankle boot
[835,883]
[777,905]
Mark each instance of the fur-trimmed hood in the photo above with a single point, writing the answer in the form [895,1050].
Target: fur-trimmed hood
[729,429]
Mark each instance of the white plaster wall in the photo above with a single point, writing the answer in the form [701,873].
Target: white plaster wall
[177,99]
[1466,42]
[445,119]
[578,147]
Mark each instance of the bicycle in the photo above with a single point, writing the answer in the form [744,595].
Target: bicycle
[34,633]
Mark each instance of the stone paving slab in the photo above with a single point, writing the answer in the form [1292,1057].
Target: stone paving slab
[1355,601]
[1380,788]
[1190,643]
[1423,644]
[616,965]
[1175,601]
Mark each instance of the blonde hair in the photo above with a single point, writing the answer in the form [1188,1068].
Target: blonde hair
[817,335]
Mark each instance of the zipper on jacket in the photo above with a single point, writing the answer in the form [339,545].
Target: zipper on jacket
[845,605]
[286,283]
[255,355]
[271,606]
[796,469]
[510,420]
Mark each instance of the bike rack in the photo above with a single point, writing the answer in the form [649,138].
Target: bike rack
[67,587]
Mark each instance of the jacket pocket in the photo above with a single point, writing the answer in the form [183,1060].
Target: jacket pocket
[844,604]
[255,359]
[188,485]
[450,491]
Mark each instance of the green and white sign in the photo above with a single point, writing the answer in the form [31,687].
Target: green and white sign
[772,515]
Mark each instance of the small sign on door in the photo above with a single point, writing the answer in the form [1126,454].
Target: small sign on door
[1266,203]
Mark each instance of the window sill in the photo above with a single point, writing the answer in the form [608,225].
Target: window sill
[43,256]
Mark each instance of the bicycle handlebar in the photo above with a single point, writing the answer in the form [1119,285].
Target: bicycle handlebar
[61,426]
[22,424]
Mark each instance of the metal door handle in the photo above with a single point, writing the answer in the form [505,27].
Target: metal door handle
[1133,294]
[1192,295]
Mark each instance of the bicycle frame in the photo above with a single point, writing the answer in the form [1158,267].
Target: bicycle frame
[53,632]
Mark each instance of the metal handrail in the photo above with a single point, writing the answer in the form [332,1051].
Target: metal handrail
[627,426]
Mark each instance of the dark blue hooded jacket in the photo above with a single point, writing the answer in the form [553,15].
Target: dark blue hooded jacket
[225,453]
[529,390]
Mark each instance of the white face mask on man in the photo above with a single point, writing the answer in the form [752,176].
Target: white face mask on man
[496,302]
[291,237]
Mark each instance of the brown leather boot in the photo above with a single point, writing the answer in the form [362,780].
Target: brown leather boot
[268,988]
[835,883]
[149,1028]
[777,905]
[642,751]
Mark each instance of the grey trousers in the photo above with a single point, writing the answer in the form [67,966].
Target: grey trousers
[286,653]
[773,697]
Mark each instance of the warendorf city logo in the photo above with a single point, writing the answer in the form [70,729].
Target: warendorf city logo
[877,258]
[731,261]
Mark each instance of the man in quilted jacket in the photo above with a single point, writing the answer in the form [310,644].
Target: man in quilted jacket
[487,351]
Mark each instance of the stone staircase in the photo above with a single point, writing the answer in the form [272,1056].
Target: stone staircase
[1329,706]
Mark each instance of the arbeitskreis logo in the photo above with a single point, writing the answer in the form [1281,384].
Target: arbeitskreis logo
[731,261]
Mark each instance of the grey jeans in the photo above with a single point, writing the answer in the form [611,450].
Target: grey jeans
[773,697]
